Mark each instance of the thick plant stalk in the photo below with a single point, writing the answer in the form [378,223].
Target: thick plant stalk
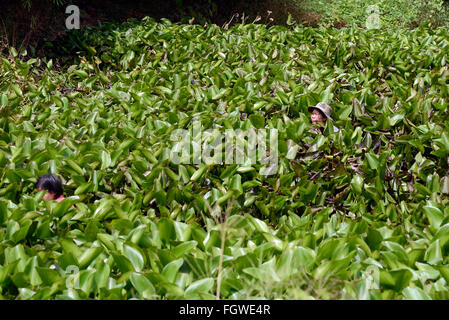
[220,264]
[223,230]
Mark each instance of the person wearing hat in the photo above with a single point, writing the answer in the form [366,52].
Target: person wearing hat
[319,114]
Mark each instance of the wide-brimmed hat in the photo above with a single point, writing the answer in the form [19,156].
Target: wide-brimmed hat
[324,108]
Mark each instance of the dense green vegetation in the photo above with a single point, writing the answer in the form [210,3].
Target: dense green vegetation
[31,24]
[369,200]
[392,13]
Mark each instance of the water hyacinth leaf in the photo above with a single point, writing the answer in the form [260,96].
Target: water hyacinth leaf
[48,276]
[434,214]
[357,184]
[198,173]
[13,52]
[142,285]
[172,290]
[88,256]
[236,184]
[395,119]
[63,206]
[397,279]
[135,256]
[123,263]
[444,272]
[105,160]
[184,248]
[200,286]
[81,73]
[372,161]
[257,120]
[85,187]
[443,141]
[12,228]
[166,230]
[429,271]
[17,89]
[433,254]
[22,233]
[374,238]
[102,275]
[70,247]
[72,164]
[415,294]
[3,212]
[4,100]
[25,294]
[256,273]
[170,270]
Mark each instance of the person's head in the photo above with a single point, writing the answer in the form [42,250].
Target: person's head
[52,184]
[317,116]
[320,113]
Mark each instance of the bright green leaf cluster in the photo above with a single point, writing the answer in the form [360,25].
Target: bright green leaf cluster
[367,200]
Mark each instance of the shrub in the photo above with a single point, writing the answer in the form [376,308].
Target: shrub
[392,13]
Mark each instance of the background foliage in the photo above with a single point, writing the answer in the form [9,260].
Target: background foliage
[31,23]
[397,13]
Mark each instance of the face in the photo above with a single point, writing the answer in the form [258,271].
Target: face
[317,117]
[48,195]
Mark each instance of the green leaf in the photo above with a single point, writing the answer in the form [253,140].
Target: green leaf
[236,184]
[444,272]
[17,90]
[415,294]
[13,52]
[372,161]
[102,275]
[72,164]
[123,263]
[4,100]
[22,233]
[393,120]
[257,120]
[397,279]
[200,286]
[63,206]
[142,285]
[105,160]
[326,95]
[48,276]
[171,269]
[434,214]
[373,239]
[81,73]
[357,184]
[198,173]
[70,247]
[183,248]
[3,212]
[166,230]
[135,256]
[88,256]
[433,254]
[443,141]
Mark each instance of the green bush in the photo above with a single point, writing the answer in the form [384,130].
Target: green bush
[392,13]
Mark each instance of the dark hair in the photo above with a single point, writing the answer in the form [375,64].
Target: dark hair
[51,183]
